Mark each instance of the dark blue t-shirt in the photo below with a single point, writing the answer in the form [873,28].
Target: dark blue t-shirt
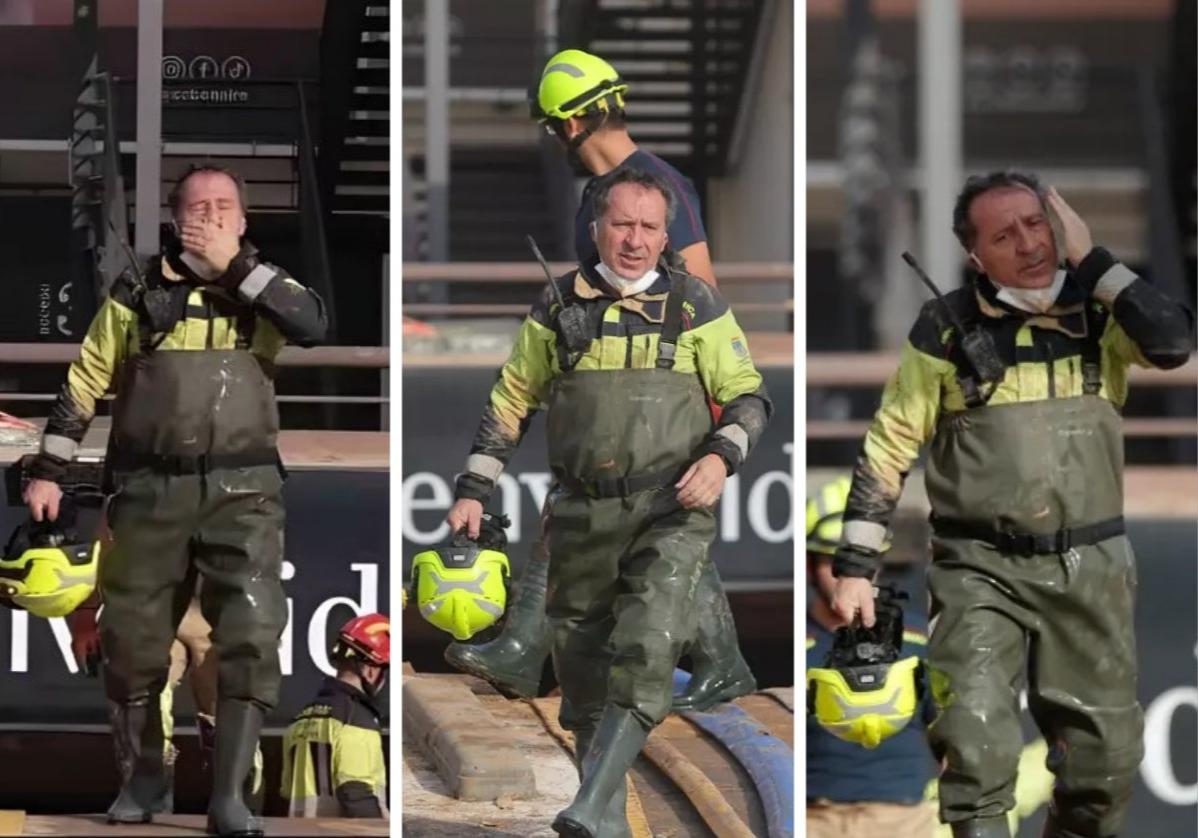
[688,221]
[898,770]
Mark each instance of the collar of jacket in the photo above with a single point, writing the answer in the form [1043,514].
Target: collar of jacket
[588,285]
[175,269]
[332,686]
[1067,315]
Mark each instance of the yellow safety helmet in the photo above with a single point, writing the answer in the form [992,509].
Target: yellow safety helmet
[825,517]
[866,692]
[573,83]
[864,704]
[46,570]
[462,588]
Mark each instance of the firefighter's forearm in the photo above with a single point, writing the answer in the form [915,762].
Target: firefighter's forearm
[1161,328]
[742,422]
[493,446]
[295,310]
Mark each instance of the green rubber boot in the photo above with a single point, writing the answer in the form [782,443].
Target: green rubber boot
[139,739]
[615,817]
[616,745]
[513,662]
[719,672]
[238,724]
[982,828]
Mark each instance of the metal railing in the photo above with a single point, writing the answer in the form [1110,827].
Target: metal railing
[513,273]
[846,370]
[326,357]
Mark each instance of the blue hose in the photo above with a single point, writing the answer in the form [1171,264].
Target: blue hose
[766,758]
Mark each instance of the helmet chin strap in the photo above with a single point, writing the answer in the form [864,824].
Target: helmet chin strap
[573,144]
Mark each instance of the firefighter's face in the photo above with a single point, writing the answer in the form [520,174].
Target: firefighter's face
[211,198]
[1014,243]
[631,234]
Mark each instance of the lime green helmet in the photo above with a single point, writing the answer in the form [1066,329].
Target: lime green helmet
[46,570]
[867,691]
[574,83]
[864,704]
[825,517]
[462,588]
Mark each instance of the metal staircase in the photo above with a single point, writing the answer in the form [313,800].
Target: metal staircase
[355,147]
[686,61]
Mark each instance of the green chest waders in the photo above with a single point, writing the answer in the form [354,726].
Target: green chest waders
[1032,572]
[198,490]
[625,560]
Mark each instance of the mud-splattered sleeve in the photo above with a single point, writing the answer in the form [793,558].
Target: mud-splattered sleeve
[1149,330]
[520,389]
[905,420]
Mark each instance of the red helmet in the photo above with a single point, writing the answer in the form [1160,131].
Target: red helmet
[369,637]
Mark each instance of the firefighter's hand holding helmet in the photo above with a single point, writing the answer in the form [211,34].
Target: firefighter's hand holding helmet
[854,595]
[43,497]
[467,513]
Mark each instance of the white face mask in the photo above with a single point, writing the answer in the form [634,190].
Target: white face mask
[1033,300]
[626,287]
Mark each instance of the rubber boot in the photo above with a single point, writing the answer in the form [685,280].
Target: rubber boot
[617,743]
[513,661]
[238,724]
[982,828]
[1054,829]
[615,817]
[254,790]
[718,671]
[139,739]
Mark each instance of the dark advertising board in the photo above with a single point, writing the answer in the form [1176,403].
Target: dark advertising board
[251,71]
[336,565]
[753,546]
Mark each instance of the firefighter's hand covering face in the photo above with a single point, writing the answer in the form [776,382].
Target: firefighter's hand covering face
[1078,242]
[631,234]
[211,220]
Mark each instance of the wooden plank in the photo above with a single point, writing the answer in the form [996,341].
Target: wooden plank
[192,825]
[12,822]
[321,450]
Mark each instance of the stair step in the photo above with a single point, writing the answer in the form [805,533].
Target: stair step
[362,190]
